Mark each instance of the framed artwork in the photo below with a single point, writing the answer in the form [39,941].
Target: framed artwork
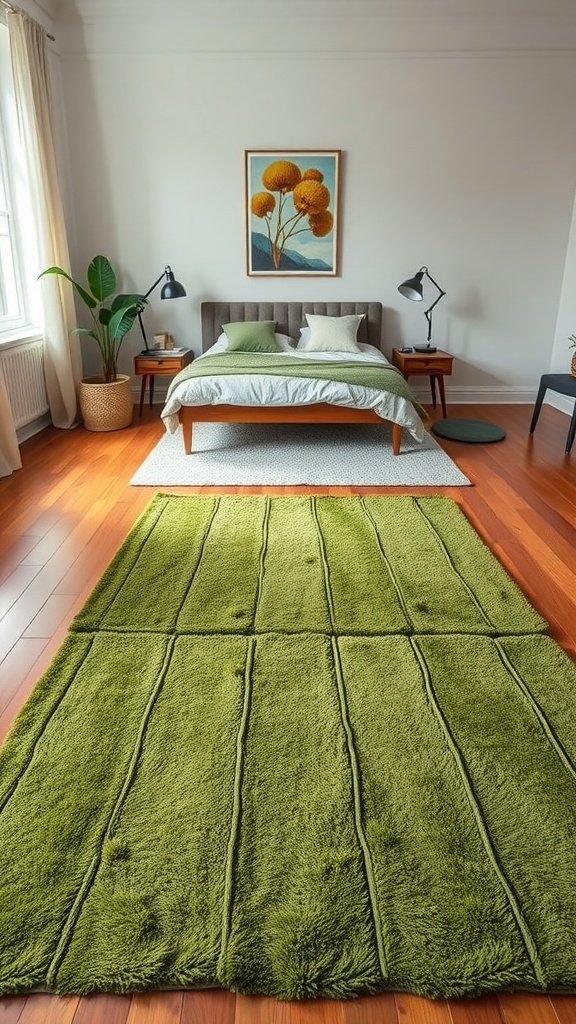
[292,211]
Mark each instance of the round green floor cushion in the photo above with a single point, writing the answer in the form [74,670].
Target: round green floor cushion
[474,431]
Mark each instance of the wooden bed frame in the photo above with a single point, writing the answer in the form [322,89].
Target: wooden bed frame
[289,316]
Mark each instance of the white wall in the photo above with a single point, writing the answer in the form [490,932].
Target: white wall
[458,136]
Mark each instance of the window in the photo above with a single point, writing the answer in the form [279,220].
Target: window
[18,306]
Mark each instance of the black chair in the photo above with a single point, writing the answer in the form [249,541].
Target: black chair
[564,384]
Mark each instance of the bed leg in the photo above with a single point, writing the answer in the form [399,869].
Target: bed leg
[396,438]
[187,434]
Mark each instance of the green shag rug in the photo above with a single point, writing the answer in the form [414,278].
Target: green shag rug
[296,746]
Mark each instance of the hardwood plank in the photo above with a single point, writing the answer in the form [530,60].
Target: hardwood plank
[45,1009]
[475,1011]
[316,1011]
[12,551]
[103,1009]
[261,1010]
[45,654]
[564,1008]
[523,1008]
[51,541]
[32,522]
[11,1009]
[17,619]
[155,1008]
[416,1010]
[24,609]
[380,1009]
[51,614]
[212,1006]
[15,585]
[16,666]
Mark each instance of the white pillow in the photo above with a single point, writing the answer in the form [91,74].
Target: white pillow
[332,333]
[367,350]
[285,344]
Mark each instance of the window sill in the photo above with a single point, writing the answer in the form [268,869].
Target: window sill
[20,336]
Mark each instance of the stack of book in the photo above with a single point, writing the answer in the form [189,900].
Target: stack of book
[162,351]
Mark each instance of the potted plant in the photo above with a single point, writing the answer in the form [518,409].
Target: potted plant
[572,340]
[105,400]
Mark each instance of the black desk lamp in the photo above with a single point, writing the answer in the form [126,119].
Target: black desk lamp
[412,289]
[172,289]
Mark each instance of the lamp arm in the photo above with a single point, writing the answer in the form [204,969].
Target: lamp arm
[143,331]
[428,312]
[163,274]
[435,283]
[149,292]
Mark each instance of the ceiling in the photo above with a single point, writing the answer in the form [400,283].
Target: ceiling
[402,8]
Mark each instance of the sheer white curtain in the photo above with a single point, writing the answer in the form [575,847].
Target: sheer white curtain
[62,360]
[9,451]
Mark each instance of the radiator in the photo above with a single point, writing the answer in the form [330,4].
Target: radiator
[22,366]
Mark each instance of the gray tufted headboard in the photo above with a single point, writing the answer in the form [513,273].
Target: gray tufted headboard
[289,316]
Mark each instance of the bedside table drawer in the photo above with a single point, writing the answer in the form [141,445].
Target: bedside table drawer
[162,365]
[428,364]
[159,366]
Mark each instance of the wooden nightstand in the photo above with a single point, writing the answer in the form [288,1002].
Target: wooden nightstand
[436,366]
[159,366]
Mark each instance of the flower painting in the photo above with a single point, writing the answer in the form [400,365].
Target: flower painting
[292,212]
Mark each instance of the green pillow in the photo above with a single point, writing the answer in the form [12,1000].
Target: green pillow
[251,336]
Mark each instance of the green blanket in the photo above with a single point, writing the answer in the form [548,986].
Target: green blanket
[367,375]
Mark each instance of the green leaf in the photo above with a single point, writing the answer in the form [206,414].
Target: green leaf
[104,315]
[101,278]
[121,321]
[127,301]
[84,295]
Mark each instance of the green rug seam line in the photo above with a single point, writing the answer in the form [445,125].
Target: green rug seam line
[352,759]
[240,752]
[194,572]
[545,725]
[10,792]
[261,561]
[456,572]
[357,800]
[523,926]
[76,909]
[163,631]
[388,564]
[227,900]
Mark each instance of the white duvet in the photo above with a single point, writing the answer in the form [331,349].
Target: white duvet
[263,389]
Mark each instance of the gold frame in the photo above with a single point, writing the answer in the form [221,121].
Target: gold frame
[327,176]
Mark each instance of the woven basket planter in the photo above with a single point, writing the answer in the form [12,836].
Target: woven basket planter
[573,365]
[106,406]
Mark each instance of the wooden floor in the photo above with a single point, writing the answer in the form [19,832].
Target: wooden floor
[63,516]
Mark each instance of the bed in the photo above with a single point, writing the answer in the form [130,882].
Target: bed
[279,399]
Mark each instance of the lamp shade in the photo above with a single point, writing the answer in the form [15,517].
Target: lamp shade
[412,288]
[172,289]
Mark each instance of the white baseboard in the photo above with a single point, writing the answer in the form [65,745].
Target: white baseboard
[462,395]
[29,429]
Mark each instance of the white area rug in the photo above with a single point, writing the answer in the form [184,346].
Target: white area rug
[277,453]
